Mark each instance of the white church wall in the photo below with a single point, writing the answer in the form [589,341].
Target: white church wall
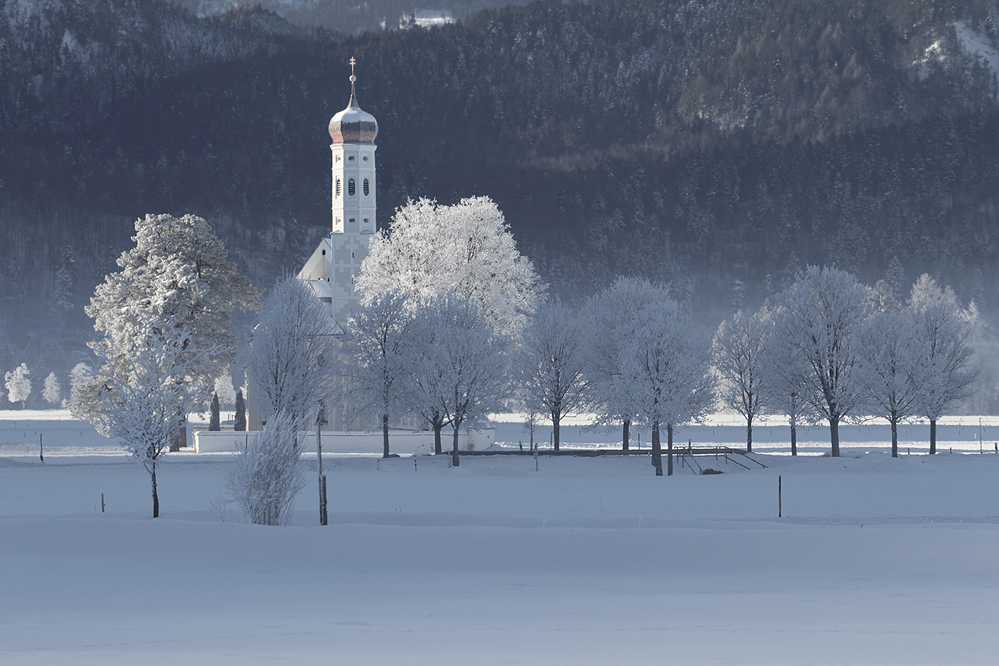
[352,442]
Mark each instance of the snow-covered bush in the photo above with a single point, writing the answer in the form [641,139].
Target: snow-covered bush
[265,478]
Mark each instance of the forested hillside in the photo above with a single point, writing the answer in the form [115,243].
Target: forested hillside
[719,146]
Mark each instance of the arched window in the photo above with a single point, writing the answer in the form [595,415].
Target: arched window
[366,190]
[350,187]
[337,188]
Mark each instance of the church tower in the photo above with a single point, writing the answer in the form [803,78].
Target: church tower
[333,267]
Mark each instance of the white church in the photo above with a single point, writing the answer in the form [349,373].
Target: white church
[332,270]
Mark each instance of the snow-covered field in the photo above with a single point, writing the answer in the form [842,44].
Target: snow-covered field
[584,561]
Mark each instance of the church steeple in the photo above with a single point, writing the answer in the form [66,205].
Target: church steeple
[353,133]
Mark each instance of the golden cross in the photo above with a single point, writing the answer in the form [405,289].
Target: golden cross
[352,77]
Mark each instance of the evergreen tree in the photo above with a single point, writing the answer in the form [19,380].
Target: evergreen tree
[214,424]
[239,422]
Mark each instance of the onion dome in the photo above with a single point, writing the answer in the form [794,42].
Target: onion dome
[353,125]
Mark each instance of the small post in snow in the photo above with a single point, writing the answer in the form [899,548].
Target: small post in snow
[41,450]
[779,507]
[320,421]
[102,502]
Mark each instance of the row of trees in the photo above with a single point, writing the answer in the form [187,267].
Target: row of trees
[828,347]
[464,329]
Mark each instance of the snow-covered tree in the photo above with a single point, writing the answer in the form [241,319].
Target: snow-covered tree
[52,390]
[466,369]
[18,385]
[816,317]
[665,373]
[178,276]
[943,374]
[886,350]
[265,478]
[786,378]
[225,391]
[378,344]
[79,375]
[144,392]
[466,249]
[738,354]
[551,361]
[611,319]
[293,357]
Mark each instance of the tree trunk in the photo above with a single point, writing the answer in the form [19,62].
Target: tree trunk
[749,434]
[657,450]
[669,449]
[156,498]
[894,437]
[438,425]
[794,440]
[454,448]
[626,434]
[834,435]
[385,445]
[556,417]
[933,436]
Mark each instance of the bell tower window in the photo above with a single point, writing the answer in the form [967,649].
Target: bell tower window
[366,191]
[351,189]
[338,188]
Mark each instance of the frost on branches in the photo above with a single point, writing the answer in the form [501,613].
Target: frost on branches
[178,276]
[664,373]
[465,370]
[293,352]
[143,394]
[551,364]
[379,345]
[266,477]
[738,354]
[815,321]
[18,385]
[466,249]
[52,390]
[610,319]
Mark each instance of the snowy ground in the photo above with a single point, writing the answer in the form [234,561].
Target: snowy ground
[584,561]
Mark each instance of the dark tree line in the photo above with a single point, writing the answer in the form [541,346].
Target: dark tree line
[719,146]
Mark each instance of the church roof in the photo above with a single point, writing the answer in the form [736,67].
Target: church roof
[353,124]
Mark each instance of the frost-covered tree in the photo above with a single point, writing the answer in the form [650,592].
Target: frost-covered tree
[611,318]
[786,378]
[225,391]
[942,330]
[816,317]
[18,385]
[468,362]
[265,478]
[885,370]
[178,276]
[465,249]
[143,392]
[665,374]
[551,362]
[52,390]
[293,357]
[738,354]
[378,345]
[79,375]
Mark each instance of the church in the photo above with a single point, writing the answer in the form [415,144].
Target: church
[333,268]
[331,271]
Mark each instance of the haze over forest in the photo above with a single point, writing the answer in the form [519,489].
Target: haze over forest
[719,146]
